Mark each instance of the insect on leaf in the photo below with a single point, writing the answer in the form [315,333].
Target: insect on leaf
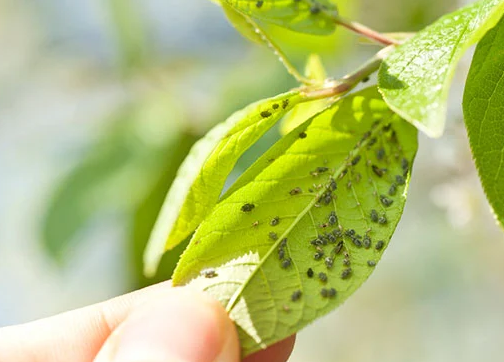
[305,16]
[483,100]
[304,227]
[201,177]
[414,80]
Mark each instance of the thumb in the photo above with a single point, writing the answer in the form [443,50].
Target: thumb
[181,325]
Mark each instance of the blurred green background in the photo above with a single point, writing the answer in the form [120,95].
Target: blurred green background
[100,100]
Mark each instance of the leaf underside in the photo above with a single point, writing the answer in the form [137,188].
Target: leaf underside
[306,203]
[305,16]
[203,173]
[414,80]
[484,115]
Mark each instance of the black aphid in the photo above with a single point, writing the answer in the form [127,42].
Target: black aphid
[322,277]
[315,9]
[378,171]
[296,191]
[379,245]
[281,253]
[365,80]
[302,135]
[265,114]
[283,243]
[350,232]
[247,207]
[329,262]
[392,190]
[259,3]
[357,242]
[380,153]
[275,221]
[318,255]
[322,169]
[324,292]
[209,273]
[382,220]
[371,263]
[343,174]
[309,273]
[386,128]
[374,215]
[337,233]
[404,164]
[372,141]
[273,236]
[331,293]
[356,160]
[285,103]
[286,263]
[296,295]
[386,201]
[400,180]
[332,185]
[333,219]
[338,248]
[345,274]
[331,238]
[346,261]
[275,106]
[366,242]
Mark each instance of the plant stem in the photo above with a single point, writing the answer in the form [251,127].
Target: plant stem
[349,81]
[365,31]
[291,69]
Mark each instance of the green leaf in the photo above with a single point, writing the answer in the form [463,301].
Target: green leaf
[242,24]
[415,79]
[305,16]
[116,174]
[201,177]
[314,70]
[484,118]
[357,143]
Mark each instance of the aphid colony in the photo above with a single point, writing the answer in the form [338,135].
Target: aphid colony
[331,247]
[315,8]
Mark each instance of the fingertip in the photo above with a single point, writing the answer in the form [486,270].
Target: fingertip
[180,325]
[278,352]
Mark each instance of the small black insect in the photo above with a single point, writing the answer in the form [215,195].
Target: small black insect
[309,273]
[366,242]
[404,164]
[346,261]
[259,3]
[378,171]
[356,160]
[273,236]
[315,9]
[324,292]
[296,191]
[322,169]
[343,174]
[329,262]
[333,219]
[374,215]
[392,190]
[318,255]
[337,233]
[322,277]
[283,242]
[209,273]
[371,263]
[265,114]
[345,274]
[275,106]
[379,245]
[275,221]
[357,242]
[247,207]
[331,293]
[400,180]
[286,263]
[380,153]
[285,103]
[386,201]
[382,220]
[372,141]
[332,185]
[296,295]
[365,80]
[386,128]
[331,238]
[338,248]
[302,135]
[350,232]
[281,253]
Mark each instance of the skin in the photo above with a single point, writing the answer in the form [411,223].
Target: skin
[155,324]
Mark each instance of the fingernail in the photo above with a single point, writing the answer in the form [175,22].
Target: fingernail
[181,327]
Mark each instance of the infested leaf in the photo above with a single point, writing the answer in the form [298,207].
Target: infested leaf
[304,227]
[414,80]
[201,177]
[244,25]
[305,16]
[484,119]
